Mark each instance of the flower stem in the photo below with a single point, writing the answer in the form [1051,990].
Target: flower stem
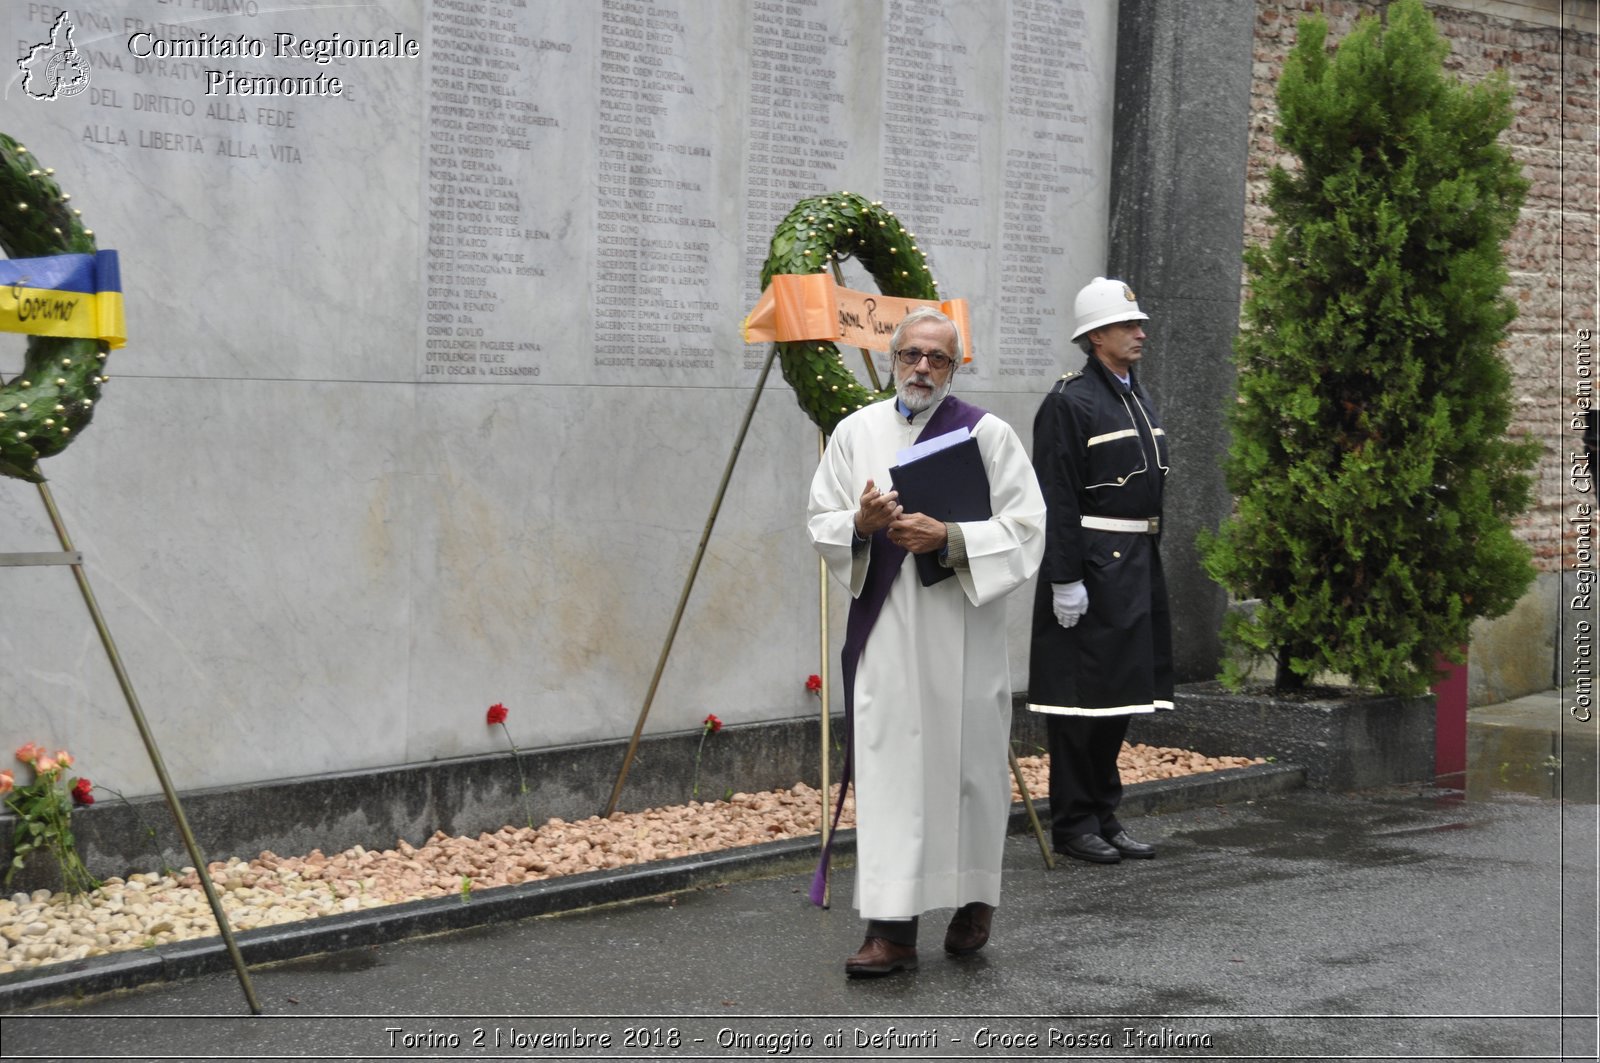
[694,791]
[149,831]
[516,755]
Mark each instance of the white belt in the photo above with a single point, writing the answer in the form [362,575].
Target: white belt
[1118,524]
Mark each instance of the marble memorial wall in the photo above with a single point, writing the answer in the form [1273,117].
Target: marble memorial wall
[434,353]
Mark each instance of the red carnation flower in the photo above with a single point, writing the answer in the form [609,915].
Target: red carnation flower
[81,794]
[708,727]
[814,684]
[497,715]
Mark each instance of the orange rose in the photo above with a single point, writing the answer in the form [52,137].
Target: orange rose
[29,753]
[63,758]
[7,783]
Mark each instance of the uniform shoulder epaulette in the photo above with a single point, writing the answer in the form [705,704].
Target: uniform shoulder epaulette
[1066,378]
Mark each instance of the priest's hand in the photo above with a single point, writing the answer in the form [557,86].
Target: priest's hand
[1070,601]
[918,533]
[878,509]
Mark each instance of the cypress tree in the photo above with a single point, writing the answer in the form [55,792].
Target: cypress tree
[1374,477]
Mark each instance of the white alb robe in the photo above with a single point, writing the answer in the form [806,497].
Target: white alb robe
[932,699]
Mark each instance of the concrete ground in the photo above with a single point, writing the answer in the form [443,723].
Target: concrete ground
[1406,923]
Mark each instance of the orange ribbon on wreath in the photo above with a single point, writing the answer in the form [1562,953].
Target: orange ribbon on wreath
[809,306]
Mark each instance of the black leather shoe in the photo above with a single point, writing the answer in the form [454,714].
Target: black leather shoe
[1134,850]
[880,956]
[1090,847]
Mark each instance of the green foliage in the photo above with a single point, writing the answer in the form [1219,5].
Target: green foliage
[42,410]
[44,818]
[1375,481]
[836,227]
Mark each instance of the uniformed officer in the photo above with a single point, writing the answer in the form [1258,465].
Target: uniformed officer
[1102,635]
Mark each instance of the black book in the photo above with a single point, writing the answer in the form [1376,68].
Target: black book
[948,485]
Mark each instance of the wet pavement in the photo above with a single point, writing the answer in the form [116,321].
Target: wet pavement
[1515,747]
[1406,923]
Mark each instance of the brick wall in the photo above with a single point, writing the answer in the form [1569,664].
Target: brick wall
[1551,254]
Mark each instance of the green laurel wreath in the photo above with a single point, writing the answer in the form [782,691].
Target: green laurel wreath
[836,227]
[46,407]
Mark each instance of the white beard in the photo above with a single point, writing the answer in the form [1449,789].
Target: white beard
[917,401]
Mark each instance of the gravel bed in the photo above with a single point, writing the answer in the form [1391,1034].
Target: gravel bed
[153,908]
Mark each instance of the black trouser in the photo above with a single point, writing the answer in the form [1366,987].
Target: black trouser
[897,931]
[1085,786]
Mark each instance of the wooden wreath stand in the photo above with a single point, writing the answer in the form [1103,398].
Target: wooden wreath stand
[74,558]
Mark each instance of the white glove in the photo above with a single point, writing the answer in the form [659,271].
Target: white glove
[1070,602]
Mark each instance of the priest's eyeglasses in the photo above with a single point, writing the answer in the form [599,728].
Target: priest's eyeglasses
[913,355]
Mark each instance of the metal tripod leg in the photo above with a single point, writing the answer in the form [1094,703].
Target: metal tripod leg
[150,747]
[1027,801]
[822,673]
[688,583]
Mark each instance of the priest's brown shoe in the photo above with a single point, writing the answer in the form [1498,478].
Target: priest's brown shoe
[969,930]
[880,956]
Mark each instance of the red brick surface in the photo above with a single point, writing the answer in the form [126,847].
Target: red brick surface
[1551,253]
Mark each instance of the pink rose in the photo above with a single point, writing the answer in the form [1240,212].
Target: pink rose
[7,783]
[29,753]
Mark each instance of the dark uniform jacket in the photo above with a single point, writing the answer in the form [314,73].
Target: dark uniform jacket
[1099,450]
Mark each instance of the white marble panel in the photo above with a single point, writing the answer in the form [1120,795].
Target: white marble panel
[316,552]
[248,546]
[667,174]
[811,63]
[508,150]
[260,237]
[555,530]
[1056,179]
[996,153]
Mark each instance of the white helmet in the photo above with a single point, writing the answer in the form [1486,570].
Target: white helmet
[1105,302]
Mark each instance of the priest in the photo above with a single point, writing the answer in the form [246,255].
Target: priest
[927,680]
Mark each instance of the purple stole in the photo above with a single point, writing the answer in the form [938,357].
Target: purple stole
[883,566]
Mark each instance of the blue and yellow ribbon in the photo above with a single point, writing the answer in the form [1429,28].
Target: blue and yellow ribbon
[65,296]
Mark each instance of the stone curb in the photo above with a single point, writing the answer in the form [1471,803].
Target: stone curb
[188,959]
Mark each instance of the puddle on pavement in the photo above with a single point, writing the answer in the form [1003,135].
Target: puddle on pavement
[1519,760]
[347,962]
[1435,828]
[1302,844]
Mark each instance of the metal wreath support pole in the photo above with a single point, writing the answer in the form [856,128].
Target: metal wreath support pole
[1027,801]
[150,747]
[688,584]
[822,674]
[866,355]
